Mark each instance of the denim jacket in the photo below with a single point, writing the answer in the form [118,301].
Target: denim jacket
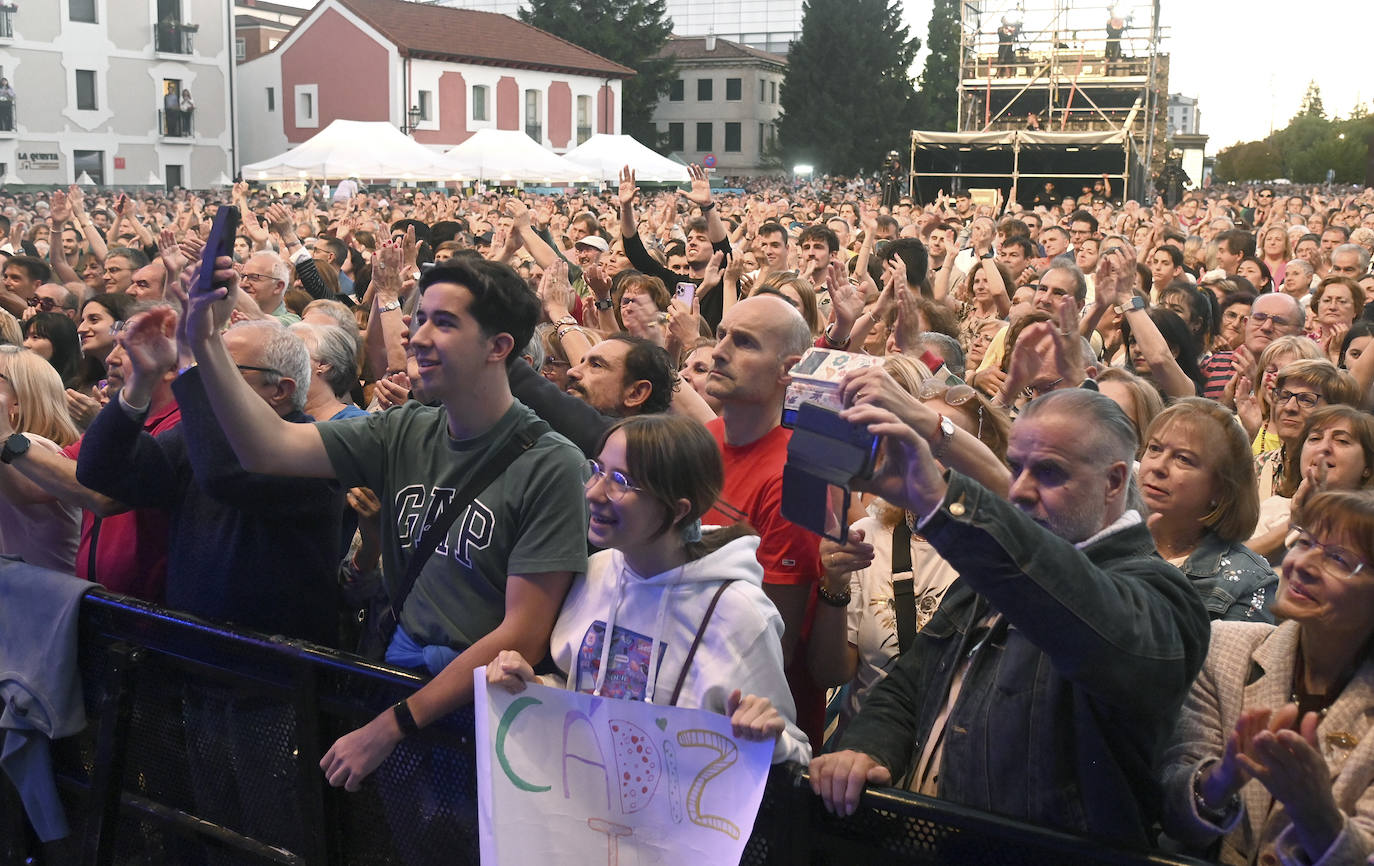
[1233,581]
[1068,701]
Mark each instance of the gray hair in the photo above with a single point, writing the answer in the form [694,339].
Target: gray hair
[286,352]
[1110,433]
[334,347]
[1357,250]
[1080,283]
[135,257]
[281,271]
[534,351]
[946,347]
[340,313]
[1302,264]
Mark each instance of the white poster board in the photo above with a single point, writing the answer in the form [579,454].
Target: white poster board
[565,777]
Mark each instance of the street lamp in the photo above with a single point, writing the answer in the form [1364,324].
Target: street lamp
[414,116]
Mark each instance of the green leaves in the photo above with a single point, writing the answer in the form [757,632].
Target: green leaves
[629,32]
[848,95]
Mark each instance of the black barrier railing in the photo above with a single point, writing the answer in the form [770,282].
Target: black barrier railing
[203,747]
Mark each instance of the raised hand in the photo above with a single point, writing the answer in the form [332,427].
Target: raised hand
[700,193]
[555,291]
[170,252]
[209,309]
[60,209]
[628,191]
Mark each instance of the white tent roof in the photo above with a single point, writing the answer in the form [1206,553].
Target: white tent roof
[350,148]
[506,155]
[602,156]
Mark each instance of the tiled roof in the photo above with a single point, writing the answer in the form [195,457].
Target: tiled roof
[694,48]
[469,36]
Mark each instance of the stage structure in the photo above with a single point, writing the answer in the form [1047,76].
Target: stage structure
[1059,68]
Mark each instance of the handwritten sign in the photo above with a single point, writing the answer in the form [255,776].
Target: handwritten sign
[565,777]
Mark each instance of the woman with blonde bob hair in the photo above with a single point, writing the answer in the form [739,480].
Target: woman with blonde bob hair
[1197,478]
[32,402]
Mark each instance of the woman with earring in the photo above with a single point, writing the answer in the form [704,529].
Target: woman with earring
[1198,480]
[1271,761]
[33,414]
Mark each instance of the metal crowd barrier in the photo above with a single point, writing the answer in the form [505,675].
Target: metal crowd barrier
[203,748]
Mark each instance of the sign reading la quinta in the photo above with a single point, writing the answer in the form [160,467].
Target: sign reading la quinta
[573,778]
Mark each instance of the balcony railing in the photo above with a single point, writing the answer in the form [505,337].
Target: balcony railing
[171,37]
[176,124]
[7,20]
[9,115]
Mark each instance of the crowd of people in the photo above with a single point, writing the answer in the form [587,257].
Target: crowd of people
[1111,573]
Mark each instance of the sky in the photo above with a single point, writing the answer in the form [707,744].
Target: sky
[1247,64]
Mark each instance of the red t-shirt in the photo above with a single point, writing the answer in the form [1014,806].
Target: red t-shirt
[790,555]
[130,548]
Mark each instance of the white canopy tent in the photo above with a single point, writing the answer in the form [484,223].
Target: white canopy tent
[506,156]
[602,156]
[351,148]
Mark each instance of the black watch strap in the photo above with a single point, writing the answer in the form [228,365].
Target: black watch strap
[16,445]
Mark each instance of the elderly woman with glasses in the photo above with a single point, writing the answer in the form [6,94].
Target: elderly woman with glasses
[893,578]
[1272,758]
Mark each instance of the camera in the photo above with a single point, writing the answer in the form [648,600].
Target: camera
[826,453]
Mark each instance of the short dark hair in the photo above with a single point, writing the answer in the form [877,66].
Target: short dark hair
[1174,254]
[1082,216]
[820,232]
[502,302]
[1022,241]
[674,248]
[773,227]
[913,254]
[696,224]
[648,361]
[337,248]
[36,268]
[1238,241]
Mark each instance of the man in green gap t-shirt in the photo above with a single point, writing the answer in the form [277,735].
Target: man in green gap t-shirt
[498,580]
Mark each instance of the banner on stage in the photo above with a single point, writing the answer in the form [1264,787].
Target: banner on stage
[565,777]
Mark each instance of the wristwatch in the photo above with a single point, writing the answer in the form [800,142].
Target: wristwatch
[946,428]
[15,446]
[605,303]
[1135,303]
[388,307]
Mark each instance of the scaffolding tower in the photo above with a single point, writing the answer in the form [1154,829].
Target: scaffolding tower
[1065,66]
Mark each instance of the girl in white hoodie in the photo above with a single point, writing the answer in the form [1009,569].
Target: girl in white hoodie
[690,625]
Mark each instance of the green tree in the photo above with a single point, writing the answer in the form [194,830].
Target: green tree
[937,100]
[1251,160]
[847,96]
[1312,102]
[629,32]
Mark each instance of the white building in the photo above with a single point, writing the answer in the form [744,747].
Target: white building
[1184,116]
[770,25]
[722,109]
[90,79]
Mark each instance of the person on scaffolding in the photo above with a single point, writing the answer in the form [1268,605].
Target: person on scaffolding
[1116,25]
[1006,44]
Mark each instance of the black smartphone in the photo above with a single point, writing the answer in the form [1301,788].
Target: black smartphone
[220,243]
